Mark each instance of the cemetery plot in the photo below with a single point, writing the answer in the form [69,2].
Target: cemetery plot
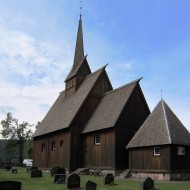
[10,185]
[73,181]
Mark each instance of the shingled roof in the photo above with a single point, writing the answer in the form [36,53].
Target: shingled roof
[110,108]
[162,127]
[64,110]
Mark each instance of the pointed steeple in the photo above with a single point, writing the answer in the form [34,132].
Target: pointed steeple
[80,67]
[79,49]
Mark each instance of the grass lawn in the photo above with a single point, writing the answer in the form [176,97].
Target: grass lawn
[46,182]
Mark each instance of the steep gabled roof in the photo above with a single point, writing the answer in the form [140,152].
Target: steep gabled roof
[110,108]
[76,69]
[162,127]
[64,110]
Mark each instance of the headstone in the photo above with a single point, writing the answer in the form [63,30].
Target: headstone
[109,179]
[10,185]
[14,171]
[59,178]
[73,181]
[36,173]
[147,184]
[29,169]
[7,167]
[90,185]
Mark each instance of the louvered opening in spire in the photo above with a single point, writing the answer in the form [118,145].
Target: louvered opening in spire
[79,49]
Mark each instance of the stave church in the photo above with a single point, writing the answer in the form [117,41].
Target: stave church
[91,125]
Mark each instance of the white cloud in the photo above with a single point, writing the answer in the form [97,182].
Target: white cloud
[32,74]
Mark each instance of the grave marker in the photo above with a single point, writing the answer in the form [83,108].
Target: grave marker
[36,173]
[147,184]
[10,185]
[109,179]
[59,178]
[14,171]
[7,167]
[73,181]
[90,185]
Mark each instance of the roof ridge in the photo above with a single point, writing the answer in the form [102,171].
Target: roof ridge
[166,120]
[97,70]
[125,85]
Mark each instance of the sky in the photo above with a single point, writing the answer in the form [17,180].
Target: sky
[149,39]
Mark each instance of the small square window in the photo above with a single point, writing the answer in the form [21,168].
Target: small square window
[43,147]
[97,139]
[53,145]
[181,150]
[156,151]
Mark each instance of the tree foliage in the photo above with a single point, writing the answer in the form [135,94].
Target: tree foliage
[17,134]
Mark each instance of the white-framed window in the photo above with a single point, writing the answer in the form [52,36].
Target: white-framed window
[157,151]
[43,148]
[53,145]
[180,150]
[97,139]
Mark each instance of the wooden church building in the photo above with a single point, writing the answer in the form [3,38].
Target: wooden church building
[161,147]
[90,123]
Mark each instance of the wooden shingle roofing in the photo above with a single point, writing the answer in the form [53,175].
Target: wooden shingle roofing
[64,110]
[110,107]
[162,127]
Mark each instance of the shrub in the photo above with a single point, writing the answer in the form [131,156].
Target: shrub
[57,170]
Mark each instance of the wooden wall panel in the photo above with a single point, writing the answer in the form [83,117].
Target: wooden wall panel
[99,156]
[143,159]
[49,158]
[130,120]
[180,162]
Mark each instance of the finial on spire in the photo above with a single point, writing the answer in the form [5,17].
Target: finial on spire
[80,8]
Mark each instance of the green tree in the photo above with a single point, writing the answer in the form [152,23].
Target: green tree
[16,133]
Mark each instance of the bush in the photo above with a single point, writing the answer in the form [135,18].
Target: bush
[57,170]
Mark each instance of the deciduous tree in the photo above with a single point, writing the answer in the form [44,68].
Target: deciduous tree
[16,133]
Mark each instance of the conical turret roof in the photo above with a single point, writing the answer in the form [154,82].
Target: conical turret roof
[160,128]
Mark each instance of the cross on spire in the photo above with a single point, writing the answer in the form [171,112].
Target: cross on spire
[80,8]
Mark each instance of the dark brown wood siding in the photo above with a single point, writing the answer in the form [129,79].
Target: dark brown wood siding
[180,162]
[49,158]
[101,87]
[143,159]
[130,120]
[102,155]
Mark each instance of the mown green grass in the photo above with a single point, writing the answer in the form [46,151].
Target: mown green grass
[46,182]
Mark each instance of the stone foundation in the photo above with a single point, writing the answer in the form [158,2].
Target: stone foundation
[162,176]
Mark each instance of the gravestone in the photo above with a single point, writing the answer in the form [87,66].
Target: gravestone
[147,184]
[59,178]
[7,167]
[10,185]
[29,169]
[90,185]
[14,171]
[109,179]
[73,181]
[36,173]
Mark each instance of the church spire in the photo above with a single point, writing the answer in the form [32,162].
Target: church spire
[79,49]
